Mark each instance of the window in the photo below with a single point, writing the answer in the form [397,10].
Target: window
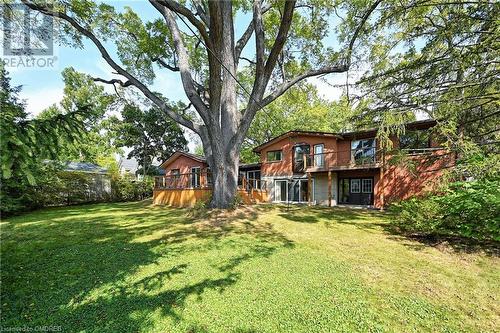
[363,151]
[253,179]
[275,155]
[367,185]
[319,157]
[195,177]
[355,186]
[413,141]
[299,151]
[209,177]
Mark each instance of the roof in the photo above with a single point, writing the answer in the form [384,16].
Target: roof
[84,167]
[420,124]
[249,165]
[128,164]
[295,133]
[175,155]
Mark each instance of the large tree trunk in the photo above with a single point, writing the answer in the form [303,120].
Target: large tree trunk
[225,180]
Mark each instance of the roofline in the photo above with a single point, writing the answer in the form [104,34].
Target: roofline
[294,132]
[409,125]
[374,130]
[178,153]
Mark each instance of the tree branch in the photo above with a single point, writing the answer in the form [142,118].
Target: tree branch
[288,84]
[183,61]
[358,30]
[285,24]
[121,71]
[163,64]
[240,44]
[180,9]
[113,81]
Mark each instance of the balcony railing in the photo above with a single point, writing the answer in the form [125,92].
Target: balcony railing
[202,180]
[349,159]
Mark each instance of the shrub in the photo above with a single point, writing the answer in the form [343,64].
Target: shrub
[126,189]
[464,209]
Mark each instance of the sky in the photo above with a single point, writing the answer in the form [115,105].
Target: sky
[43,87]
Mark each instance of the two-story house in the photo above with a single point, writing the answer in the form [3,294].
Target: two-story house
[332,168]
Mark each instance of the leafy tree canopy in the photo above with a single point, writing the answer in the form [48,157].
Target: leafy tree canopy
[151,135]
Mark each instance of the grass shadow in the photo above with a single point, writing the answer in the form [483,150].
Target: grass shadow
[56,262]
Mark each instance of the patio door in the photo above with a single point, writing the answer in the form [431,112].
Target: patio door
[281,190]
[356,191]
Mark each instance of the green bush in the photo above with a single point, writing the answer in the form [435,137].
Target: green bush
[464,209]
[126,189]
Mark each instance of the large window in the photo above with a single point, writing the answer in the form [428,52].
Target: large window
[275,155]
[363,151]
[195,177]
[415,141]
[299,152]
[319,157]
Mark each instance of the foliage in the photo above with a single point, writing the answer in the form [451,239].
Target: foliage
[439,60]
[128,189]
[97,141]
[23,139]
[151,135]
[301,108]
[464,209]
[134,267]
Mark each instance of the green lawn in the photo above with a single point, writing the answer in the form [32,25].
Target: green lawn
[132,267]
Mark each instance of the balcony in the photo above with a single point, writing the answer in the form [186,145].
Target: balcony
[360,158]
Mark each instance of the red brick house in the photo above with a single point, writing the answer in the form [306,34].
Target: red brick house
[326,168]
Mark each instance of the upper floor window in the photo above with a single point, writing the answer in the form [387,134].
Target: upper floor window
[275,155]
[363,151]
[319,157]
[301,158]
[415,141]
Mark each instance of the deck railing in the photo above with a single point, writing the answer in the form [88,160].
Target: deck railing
[367,157]
[202,180]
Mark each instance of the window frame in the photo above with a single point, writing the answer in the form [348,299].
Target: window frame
[197,178]
[274,151]
[363,185]
[351,181]
[321,156]
[364,148]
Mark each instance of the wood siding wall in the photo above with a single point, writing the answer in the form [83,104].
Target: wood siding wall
[188,197]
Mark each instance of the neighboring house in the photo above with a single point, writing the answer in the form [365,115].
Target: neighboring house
[128,167]
[324,168]
[97,179]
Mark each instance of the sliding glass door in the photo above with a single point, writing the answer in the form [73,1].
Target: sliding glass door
[296,190]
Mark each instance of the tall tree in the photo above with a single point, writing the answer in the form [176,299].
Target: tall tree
[151,135]
[447,70]
[97,140]
[289,48]
[25,142]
